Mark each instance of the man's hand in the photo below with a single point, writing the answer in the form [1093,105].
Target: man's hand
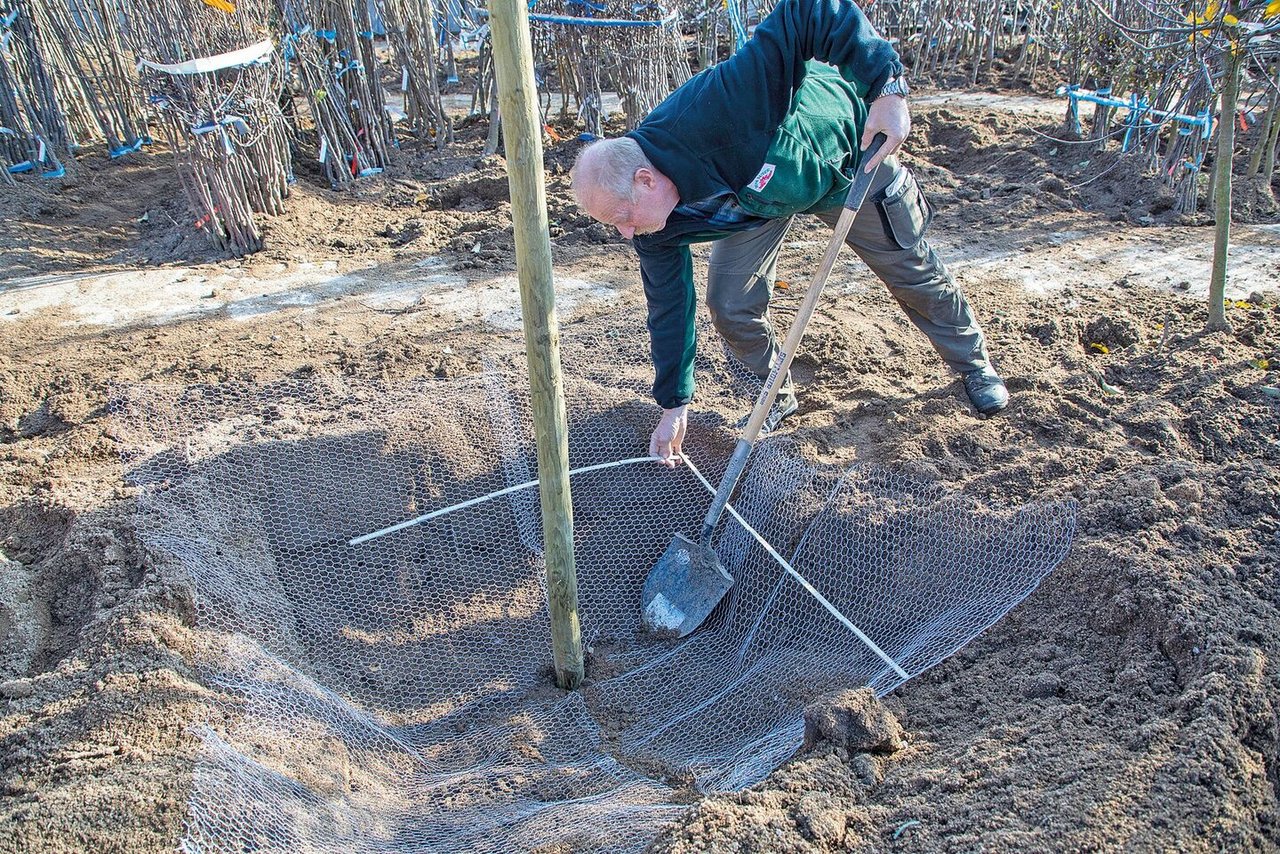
[888,115]
[668,436]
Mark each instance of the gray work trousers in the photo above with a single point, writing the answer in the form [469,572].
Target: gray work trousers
[888,234]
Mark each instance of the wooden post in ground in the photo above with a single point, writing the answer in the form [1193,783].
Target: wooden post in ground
[522,131]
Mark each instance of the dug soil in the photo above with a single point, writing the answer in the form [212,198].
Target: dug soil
[1129,704]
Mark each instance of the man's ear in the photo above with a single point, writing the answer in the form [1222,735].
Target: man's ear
[644,178]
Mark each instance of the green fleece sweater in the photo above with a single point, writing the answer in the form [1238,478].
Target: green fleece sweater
[778,131]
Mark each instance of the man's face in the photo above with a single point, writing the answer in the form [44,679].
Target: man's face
[645,213]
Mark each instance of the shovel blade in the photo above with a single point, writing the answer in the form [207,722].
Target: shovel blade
[683,587]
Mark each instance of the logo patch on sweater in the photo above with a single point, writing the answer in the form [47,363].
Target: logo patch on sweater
[763,177]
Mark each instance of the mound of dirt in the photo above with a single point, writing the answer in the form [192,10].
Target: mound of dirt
[1016,167]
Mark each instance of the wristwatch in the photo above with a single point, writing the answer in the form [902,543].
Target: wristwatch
[895,86]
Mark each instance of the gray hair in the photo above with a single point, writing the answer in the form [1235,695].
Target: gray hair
[608,166]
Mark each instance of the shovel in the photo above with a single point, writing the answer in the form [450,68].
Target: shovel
[688,581]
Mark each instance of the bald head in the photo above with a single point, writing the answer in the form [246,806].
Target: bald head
[616,184]
[608,166]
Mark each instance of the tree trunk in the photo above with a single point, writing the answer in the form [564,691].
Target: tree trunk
[1021,64]
[1264,133]
[1269,159]
[1222,189]
[494,140]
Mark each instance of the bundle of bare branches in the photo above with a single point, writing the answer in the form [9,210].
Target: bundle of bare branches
[594,46]
[1158,68]
[34,128]
[330,49]
[411,32]
[95,81]
[221,108]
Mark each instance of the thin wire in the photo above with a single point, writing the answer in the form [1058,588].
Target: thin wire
[1118,131]
[1118,161]
[409,523]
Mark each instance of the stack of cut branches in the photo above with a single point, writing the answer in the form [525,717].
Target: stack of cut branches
[34,129]
[95,81]
[411,31]
[221,109]
[594,46]
[331,51]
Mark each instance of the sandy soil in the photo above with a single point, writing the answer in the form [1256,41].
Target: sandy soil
[1129,704]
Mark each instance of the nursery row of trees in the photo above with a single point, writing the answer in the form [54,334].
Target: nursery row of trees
[242,88]
[1168,81]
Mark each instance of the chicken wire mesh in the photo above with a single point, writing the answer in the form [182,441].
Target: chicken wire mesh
[396,694]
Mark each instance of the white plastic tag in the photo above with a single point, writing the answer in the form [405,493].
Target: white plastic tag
[763,177]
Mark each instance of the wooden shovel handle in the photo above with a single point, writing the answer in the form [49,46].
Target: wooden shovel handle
[853,203]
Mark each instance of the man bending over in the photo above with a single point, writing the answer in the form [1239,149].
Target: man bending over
[732,156]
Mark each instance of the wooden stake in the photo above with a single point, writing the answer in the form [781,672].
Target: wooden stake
[517,95]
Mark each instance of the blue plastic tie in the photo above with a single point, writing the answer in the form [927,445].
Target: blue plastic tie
[594,22]
[902,827]
[129,149]
[601,22]
[353,65]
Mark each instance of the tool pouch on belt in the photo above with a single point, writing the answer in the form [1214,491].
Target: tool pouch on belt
[904,210]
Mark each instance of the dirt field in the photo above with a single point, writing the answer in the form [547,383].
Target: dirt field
[1130,704]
